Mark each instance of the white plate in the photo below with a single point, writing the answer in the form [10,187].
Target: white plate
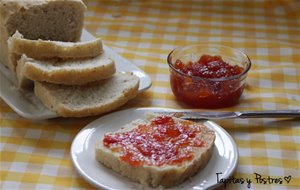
[28,106]
[224,158]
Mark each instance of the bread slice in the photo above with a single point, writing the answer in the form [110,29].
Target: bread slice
[44,49]
[67,72]
[156,173]
[91,99]
[41,49]
[60,20]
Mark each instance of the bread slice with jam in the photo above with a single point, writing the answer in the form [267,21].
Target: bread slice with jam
[160,151]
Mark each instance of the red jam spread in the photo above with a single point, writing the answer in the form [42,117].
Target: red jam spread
[163,141]
[203,92]
[209,67]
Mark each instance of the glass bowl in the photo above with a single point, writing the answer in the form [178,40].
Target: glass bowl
[200,92]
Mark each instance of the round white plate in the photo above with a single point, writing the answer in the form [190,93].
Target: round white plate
[224,159]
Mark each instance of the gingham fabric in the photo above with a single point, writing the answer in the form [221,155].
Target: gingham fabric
[35,155]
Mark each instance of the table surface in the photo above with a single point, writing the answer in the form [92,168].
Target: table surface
[35,154]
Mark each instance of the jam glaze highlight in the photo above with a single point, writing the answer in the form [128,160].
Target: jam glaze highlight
[163,141]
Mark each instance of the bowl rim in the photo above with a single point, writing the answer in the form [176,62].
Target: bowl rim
[245,71]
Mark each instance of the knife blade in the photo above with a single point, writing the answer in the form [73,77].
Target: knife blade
[192,115]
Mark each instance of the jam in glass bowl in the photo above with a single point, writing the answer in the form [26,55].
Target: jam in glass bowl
[208,76]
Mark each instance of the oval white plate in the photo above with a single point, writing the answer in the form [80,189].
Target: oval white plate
[27,105]
[224,158]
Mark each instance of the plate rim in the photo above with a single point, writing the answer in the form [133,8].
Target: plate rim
[96,184]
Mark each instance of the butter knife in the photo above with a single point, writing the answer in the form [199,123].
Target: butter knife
[192,115]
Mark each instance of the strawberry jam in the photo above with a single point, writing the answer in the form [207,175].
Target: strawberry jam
[209,67]
[163,141]
[204,83]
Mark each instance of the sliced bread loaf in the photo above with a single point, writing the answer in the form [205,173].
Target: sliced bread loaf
[90,99]
[68,72]
[158,151]
[60,20]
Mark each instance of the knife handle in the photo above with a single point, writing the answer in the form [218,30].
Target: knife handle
[269,114]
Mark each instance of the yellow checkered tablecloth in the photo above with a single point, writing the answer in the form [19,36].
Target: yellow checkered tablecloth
[35,154]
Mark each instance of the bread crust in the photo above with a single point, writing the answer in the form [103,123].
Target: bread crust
[155,176]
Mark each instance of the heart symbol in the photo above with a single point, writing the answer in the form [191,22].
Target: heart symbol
[288,178]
